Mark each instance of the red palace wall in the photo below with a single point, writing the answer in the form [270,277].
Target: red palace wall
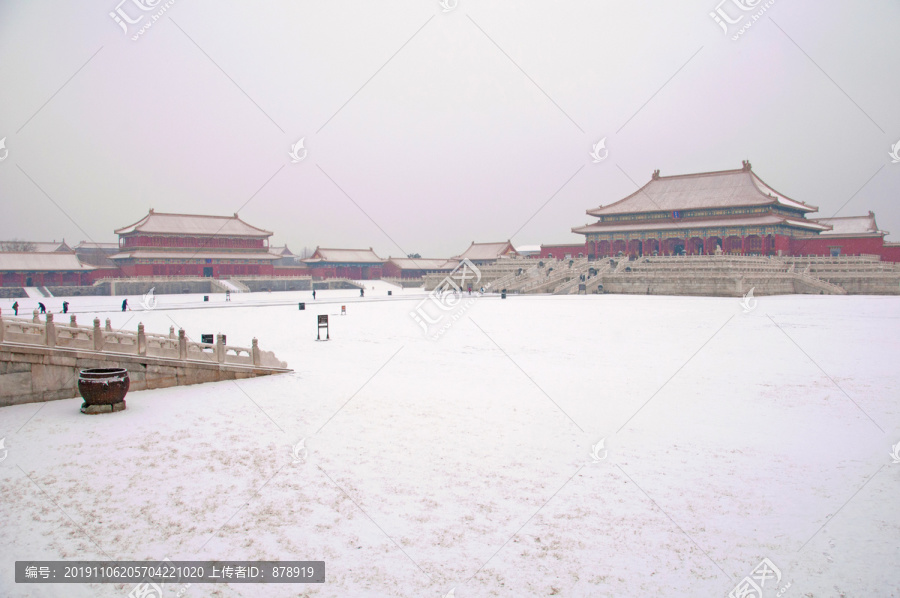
[891,252]
[290,271]
[769,245]
[45,279]
[102,273]
[351,272]
[390,270]
[849,246]
[218,270]
[559,251]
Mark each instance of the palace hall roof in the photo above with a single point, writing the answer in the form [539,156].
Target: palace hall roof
[30,261]
[280,250]
[97,254]
[193,224]
[727,188]
[854,226]
[36,246]
[354,256]
[488,251]
[694,223]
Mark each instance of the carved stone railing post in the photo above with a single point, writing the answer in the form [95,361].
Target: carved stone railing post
[254,351]
[72,321]
[141,340]
[98,335]
[35,318]
[171,332]
[182,344]
[50,331]
[108,325]
[220,349]
[2,326]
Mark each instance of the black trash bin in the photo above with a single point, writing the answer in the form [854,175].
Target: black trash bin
[302,306]
[206,297]
[390,293]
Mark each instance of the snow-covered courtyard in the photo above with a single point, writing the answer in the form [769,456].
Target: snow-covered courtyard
[473,463]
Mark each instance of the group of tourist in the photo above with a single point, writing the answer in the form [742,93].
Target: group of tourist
[41,307]
[65,304]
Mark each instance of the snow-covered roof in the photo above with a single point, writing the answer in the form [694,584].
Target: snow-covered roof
[193,224]
[528,248]
[37,246]
[406,263]
[194,255]
[31,261]
[852,226]
[488,251]
[696,223]
[355,256]
[280,250]
[92,245]
[727,188]
[97,254]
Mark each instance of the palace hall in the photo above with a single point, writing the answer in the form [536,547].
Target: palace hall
[732,211]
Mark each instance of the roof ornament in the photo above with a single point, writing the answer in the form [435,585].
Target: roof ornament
[656,174]
[151,210]
[746,165]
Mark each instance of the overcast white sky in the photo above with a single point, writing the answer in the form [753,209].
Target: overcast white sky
[426,129]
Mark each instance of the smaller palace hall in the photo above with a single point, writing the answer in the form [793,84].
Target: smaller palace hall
[732,211]
[193,245]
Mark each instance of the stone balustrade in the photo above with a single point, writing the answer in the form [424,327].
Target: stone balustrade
[105,339]
[572,285]
[713,275]
[490,273]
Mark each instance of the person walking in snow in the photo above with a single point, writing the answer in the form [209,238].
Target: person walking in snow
[65,307]
[15,307]
[42,307]
[124,304]
[314,294]
[362,292]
